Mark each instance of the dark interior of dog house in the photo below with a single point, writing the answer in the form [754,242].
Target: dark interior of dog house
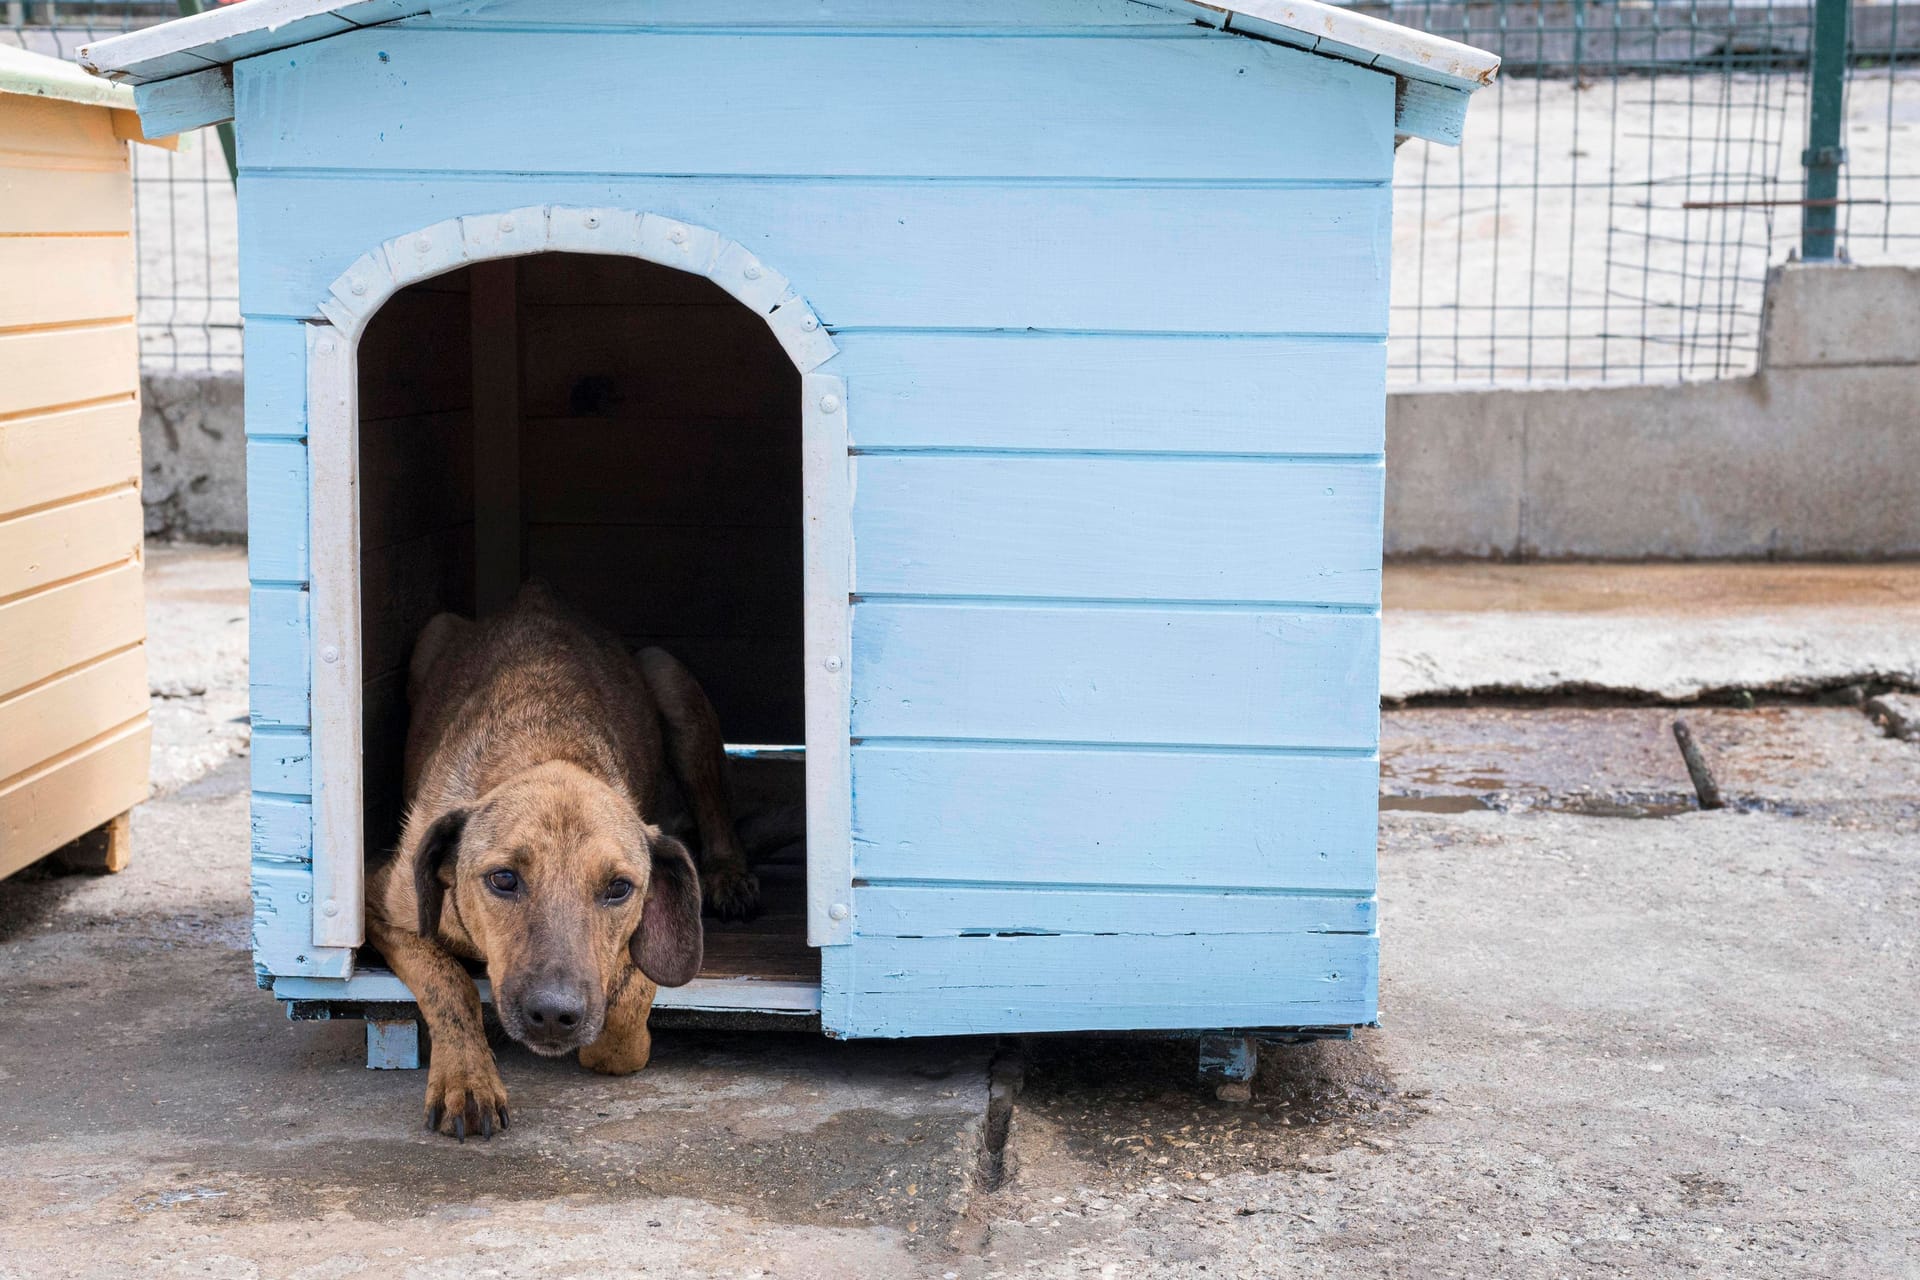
[630,435]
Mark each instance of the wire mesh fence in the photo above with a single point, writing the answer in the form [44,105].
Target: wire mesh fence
[1627,183]
[1624,188]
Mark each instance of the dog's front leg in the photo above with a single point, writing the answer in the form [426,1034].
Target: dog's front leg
[464,1091]
[625,1044]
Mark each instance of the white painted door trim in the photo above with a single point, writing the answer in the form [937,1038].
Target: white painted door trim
[333,445]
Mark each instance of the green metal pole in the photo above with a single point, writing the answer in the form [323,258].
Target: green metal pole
[187,9]
[1826,117]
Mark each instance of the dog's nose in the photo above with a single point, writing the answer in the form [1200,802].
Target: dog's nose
[555,1011]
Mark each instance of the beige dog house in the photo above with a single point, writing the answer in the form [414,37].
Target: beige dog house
[73,675]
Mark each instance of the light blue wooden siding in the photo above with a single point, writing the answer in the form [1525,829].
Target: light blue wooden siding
[1121,392]
[1196,107]
[1078,982]
[1098,257]
[282,762]
[279,662]
[278,673]
[974,911]
[277,510]
[1111,306]
[276,382]
[1016,814]
[1133,674]
[1127,528]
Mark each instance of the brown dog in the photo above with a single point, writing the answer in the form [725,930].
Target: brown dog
[535,777]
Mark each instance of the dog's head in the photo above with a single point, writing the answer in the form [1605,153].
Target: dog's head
[558,883]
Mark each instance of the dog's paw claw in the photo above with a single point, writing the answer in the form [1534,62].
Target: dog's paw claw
[462,1106]
[732,895]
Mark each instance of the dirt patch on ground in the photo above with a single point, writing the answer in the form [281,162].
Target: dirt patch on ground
[1134,1109]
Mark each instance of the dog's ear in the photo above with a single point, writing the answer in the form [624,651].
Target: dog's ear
[669,943]
[437,848]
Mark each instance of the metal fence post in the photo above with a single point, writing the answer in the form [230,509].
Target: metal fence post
[1826,116]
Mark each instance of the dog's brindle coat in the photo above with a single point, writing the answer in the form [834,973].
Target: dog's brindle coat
[539,758]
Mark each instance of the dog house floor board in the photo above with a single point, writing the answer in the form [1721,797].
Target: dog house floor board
[773,944]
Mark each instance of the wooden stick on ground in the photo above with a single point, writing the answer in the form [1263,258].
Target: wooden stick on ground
[1703,784]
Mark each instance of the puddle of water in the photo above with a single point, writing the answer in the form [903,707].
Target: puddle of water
[1615,805]
[168,1199]
[1433,804]
[1618,807]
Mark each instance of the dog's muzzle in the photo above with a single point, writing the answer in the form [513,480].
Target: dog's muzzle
[554,1017]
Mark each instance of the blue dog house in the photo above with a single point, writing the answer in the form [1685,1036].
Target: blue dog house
[984,397]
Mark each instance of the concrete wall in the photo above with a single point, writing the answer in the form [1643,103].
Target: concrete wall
[193,455]
[1815,456]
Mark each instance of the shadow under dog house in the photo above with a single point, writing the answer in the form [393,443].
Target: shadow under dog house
[984,397]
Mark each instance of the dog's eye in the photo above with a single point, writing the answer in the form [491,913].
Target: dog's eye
[618,891]
[503,881]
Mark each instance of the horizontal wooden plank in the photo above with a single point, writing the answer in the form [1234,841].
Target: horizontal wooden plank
[45,197]
[941,911]
[276,382]
[649,362]
[49,456]
[63,713]
[956,107]
[65,279]
[1126,393]
[76,133]
[1036,816]
[1436,112]
[1104,257]
[56,543]
[49,369]
[41,811]
[64,626]
[917,16]
[277,511]
[671,471]
[1122,982]
[282,761]
[1213,677]
[679,580]
[181,103]
[416,476]
[283,925]
[1118,528]
[279,671]
[282,829]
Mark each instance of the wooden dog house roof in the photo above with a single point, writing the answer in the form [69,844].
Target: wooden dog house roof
[189,56]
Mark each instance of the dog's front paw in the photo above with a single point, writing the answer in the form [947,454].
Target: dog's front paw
[464,1099]
[732,893]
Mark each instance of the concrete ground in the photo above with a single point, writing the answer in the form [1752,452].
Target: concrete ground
[1620,1036]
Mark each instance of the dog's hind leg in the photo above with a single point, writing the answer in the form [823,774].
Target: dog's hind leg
[698,756]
